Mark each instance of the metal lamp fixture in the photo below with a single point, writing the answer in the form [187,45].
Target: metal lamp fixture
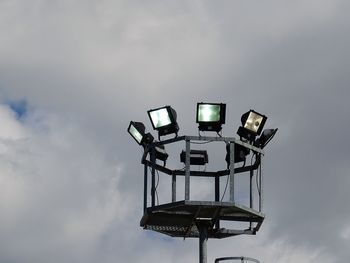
[197,157]
[137,131]
[164,120]
[160,153]
[252,125]
[265,138]
[240,153]
[210,116]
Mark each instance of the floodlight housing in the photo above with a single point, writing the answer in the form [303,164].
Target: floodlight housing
[210,116]
[240,153]
[265,138]
[161,154]
[137,131]
[164,120]
[252,125]
[197,157]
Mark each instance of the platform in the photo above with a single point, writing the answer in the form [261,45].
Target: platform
[179,219]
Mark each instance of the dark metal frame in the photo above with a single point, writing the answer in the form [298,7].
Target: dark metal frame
[201,219]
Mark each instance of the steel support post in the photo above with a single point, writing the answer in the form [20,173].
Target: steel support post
[187,170]
[153,187]
[261,200]
[145,182]
[173,188]
[232,171]
[217,196]
[251,196]
[203,238]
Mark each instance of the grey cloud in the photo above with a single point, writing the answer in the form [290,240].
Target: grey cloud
[100,65]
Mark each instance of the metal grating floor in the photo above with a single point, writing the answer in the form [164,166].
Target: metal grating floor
[179,219]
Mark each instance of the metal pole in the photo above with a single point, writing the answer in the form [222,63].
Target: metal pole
[217,197]
[145,182]
[187,171]
[261,183]
[217,188]
[232,171]
[203,238]
[173,188]
[153,188]
[251,188]
[251,194]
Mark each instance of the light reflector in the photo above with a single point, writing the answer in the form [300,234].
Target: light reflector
[137,131]
[252,125]
[164,120]
[254,122]
[208,113]
[210,116]
[160,118]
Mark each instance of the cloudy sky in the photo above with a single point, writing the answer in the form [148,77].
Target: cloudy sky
[73,73]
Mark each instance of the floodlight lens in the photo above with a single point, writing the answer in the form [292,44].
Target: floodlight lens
[209,113]
[253,122]
[160,118]
[135,133]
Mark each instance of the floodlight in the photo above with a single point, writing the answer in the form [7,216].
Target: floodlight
[240,153]
[252,125]
[265,138]
[164,120]
[210,116]
[137,131]
[161,154]
[197,157]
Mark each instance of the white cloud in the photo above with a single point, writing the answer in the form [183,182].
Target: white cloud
[10,129]
[59,191]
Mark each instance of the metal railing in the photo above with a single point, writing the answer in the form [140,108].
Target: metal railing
[242,259]
[187,173]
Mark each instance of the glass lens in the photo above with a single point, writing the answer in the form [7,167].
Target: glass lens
[253,122]
[135,133]
[208,113]
[160,118]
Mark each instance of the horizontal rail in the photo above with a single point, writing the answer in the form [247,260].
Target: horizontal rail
[243,259]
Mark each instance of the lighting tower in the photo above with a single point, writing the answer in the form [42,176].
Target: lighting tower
[187,218]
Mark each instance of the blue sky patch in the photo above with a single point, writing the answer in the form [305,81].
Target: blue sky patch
[19,107]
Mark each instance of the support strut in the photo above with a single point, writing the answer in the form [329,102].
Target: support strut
[203,227]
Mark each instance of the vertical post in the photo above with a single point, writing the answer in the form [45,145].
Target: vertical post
[187,170]
[217,188]
[232,171]
[261,184]
[173,188]
[145,182]
[217,196]
[251,197]
[203,238]
[153,187]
